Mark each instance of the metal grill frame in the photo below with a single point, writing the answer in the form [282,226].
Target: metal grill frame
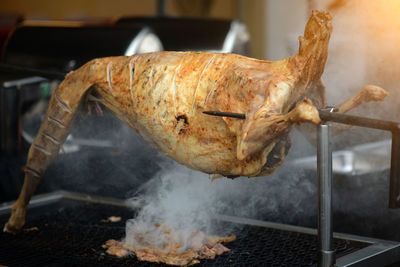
[377,253]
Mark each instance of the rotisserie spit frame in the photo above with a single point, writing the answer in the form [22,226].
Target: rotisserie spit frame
[367,252]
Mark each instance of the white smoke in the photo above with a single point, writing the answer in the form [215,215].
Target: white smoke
[178,198]
[187,201]
[364,50]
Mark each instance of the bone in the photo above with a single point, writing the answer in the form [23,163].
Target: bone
[369,93]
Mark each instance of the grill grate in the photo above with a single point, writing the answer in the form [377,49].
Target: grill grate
[71,233]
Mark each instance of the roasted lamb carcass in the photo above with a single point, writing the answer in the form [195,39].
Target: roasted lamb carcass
[162,96]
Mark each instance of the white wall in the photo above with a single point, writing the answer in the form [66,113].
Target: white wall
[284,21]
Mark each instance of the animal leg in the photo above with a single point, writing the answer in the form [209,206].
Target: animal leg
[265,126]
[367,94]
[59,116]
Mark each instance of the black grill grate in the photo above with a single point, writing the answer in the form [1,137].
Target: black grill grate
[71,234]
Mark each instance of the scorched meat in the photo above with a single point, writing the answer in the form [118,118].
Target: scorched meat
[162,96]
[172,252]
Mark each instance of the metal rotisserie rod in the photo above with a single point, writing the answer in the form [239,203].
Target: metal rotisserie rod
[359,121]
[393,127]
[331,116]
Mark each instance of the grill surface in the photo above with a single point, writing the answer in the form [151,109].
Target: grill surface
[71,233]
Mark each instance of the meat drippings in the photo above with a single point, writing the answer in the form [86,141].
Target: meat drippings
[200,246]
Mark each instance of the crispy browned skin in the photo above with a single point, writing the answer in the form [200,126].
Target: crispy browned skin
[162,96]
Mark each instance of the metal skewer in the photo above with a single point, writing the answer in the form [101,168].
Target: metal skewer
[330,116]
[241,116]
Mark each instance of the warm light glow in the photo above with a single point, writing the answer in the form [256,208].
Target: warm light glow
[379,16]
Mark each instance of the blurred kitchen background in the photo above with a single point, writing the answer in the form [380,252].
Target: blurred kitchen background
[42,40]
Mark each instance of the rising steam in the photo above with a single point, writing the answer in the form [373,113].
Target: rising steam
[186,201]
[364,50]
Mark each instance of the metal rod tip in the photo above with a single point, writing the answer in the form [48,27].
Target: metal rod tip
[241,116]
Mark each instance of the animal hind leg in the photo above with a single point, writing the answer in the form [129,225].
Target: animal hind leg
[369,93]
[60,113]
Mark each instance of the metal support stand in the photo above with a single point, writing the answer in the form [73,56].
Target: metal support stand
[326,254]
[394,189]
[324,161]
